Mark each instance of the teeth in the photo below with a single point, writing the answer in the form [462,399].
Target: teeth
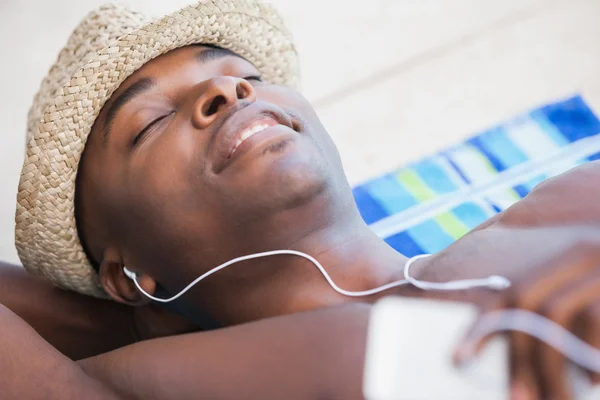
[247,133]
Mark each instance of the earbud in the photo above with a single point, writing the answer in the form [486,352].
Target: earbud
[497,282]
[493,282]
[129,274]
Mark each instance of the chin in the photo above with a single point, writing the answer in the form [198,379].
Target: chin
[287,176]
[296,184]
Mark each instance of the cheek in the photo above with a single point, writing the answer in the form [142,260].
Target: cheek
[157,187]
[167,164]
[162,184]
[159,203]
[167,187]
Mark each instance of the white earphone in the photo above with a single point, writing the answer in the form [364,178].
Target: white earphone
[493,282]
[129,274]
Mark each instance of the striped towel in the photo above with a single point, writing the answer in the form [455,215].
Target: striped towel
[427,205]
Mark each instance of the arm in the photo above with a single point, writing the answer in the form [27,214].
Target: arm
[81,326]
[311,355]
[78,326]
[32,369]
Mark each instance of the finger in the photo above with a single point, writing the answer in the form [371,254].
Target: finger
[588,329]
[565,309]
[577,263]
[523,378]
[537,366]
[523,367]
[521,391]
[473,342]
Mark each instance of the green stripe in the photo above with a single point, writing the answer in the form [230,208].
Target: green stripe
[452,225]
[485,163]
[413,184]
[513,193]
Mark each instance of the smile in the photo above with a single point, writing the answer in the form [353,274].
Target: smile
[253,129]
[247,128]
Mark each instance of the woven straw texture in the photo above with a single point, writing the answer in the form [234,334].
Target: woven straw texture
[106,48]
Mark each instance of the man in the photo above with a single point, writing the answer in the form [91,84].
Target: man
[191,159]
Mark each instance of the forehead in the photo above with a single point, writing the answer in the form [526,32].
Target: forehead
[160,67]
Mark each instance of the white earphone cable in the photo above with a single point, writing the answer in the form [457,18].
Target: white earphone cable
[491,282]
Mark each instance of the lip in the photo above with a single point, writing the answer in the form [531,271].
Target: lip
[228,135]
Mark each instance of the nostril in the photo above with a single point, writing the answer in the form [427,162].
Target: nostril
[212,106]
[241,91]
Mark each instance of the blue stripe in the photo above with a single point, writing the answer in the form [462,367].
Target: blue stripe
[594,157]
[434,176]
[540,118]
[430,236]
[446,156]
[494,206]
[521,190]
[478,144]
[403,243]
[370,210]
[470,214]
[388,192]
[573,118]
[497,142]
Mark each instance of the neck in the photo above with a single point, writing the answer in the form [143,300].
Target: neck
[353,256]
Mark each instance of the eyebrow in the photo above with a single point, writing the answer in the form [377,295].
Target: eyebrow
[214,53]
[138,88]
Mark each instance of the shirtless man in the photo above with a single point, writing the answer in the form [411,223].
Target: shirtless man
[153,164]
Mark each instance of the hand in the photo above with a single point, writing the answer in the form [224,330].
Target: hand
[565,291]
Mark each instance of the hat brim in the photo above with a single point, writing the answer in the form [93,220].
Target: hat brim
[46,234]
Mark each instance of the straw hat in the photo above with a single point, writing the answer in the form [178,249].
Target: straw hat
[108,46]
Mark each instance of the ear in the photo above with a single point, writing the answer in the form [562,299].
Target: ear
[121,288]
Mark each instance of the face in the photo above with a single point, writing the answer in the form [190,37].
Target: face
[196,160]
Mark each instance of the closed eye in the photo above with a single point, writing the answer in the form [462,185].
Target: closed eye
[148,128]
[257,78]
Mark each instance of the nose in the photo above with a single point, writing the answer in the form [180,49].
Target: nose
[218,95]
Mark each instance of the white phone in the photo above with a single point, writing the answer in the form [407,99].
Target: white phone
[409,354]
